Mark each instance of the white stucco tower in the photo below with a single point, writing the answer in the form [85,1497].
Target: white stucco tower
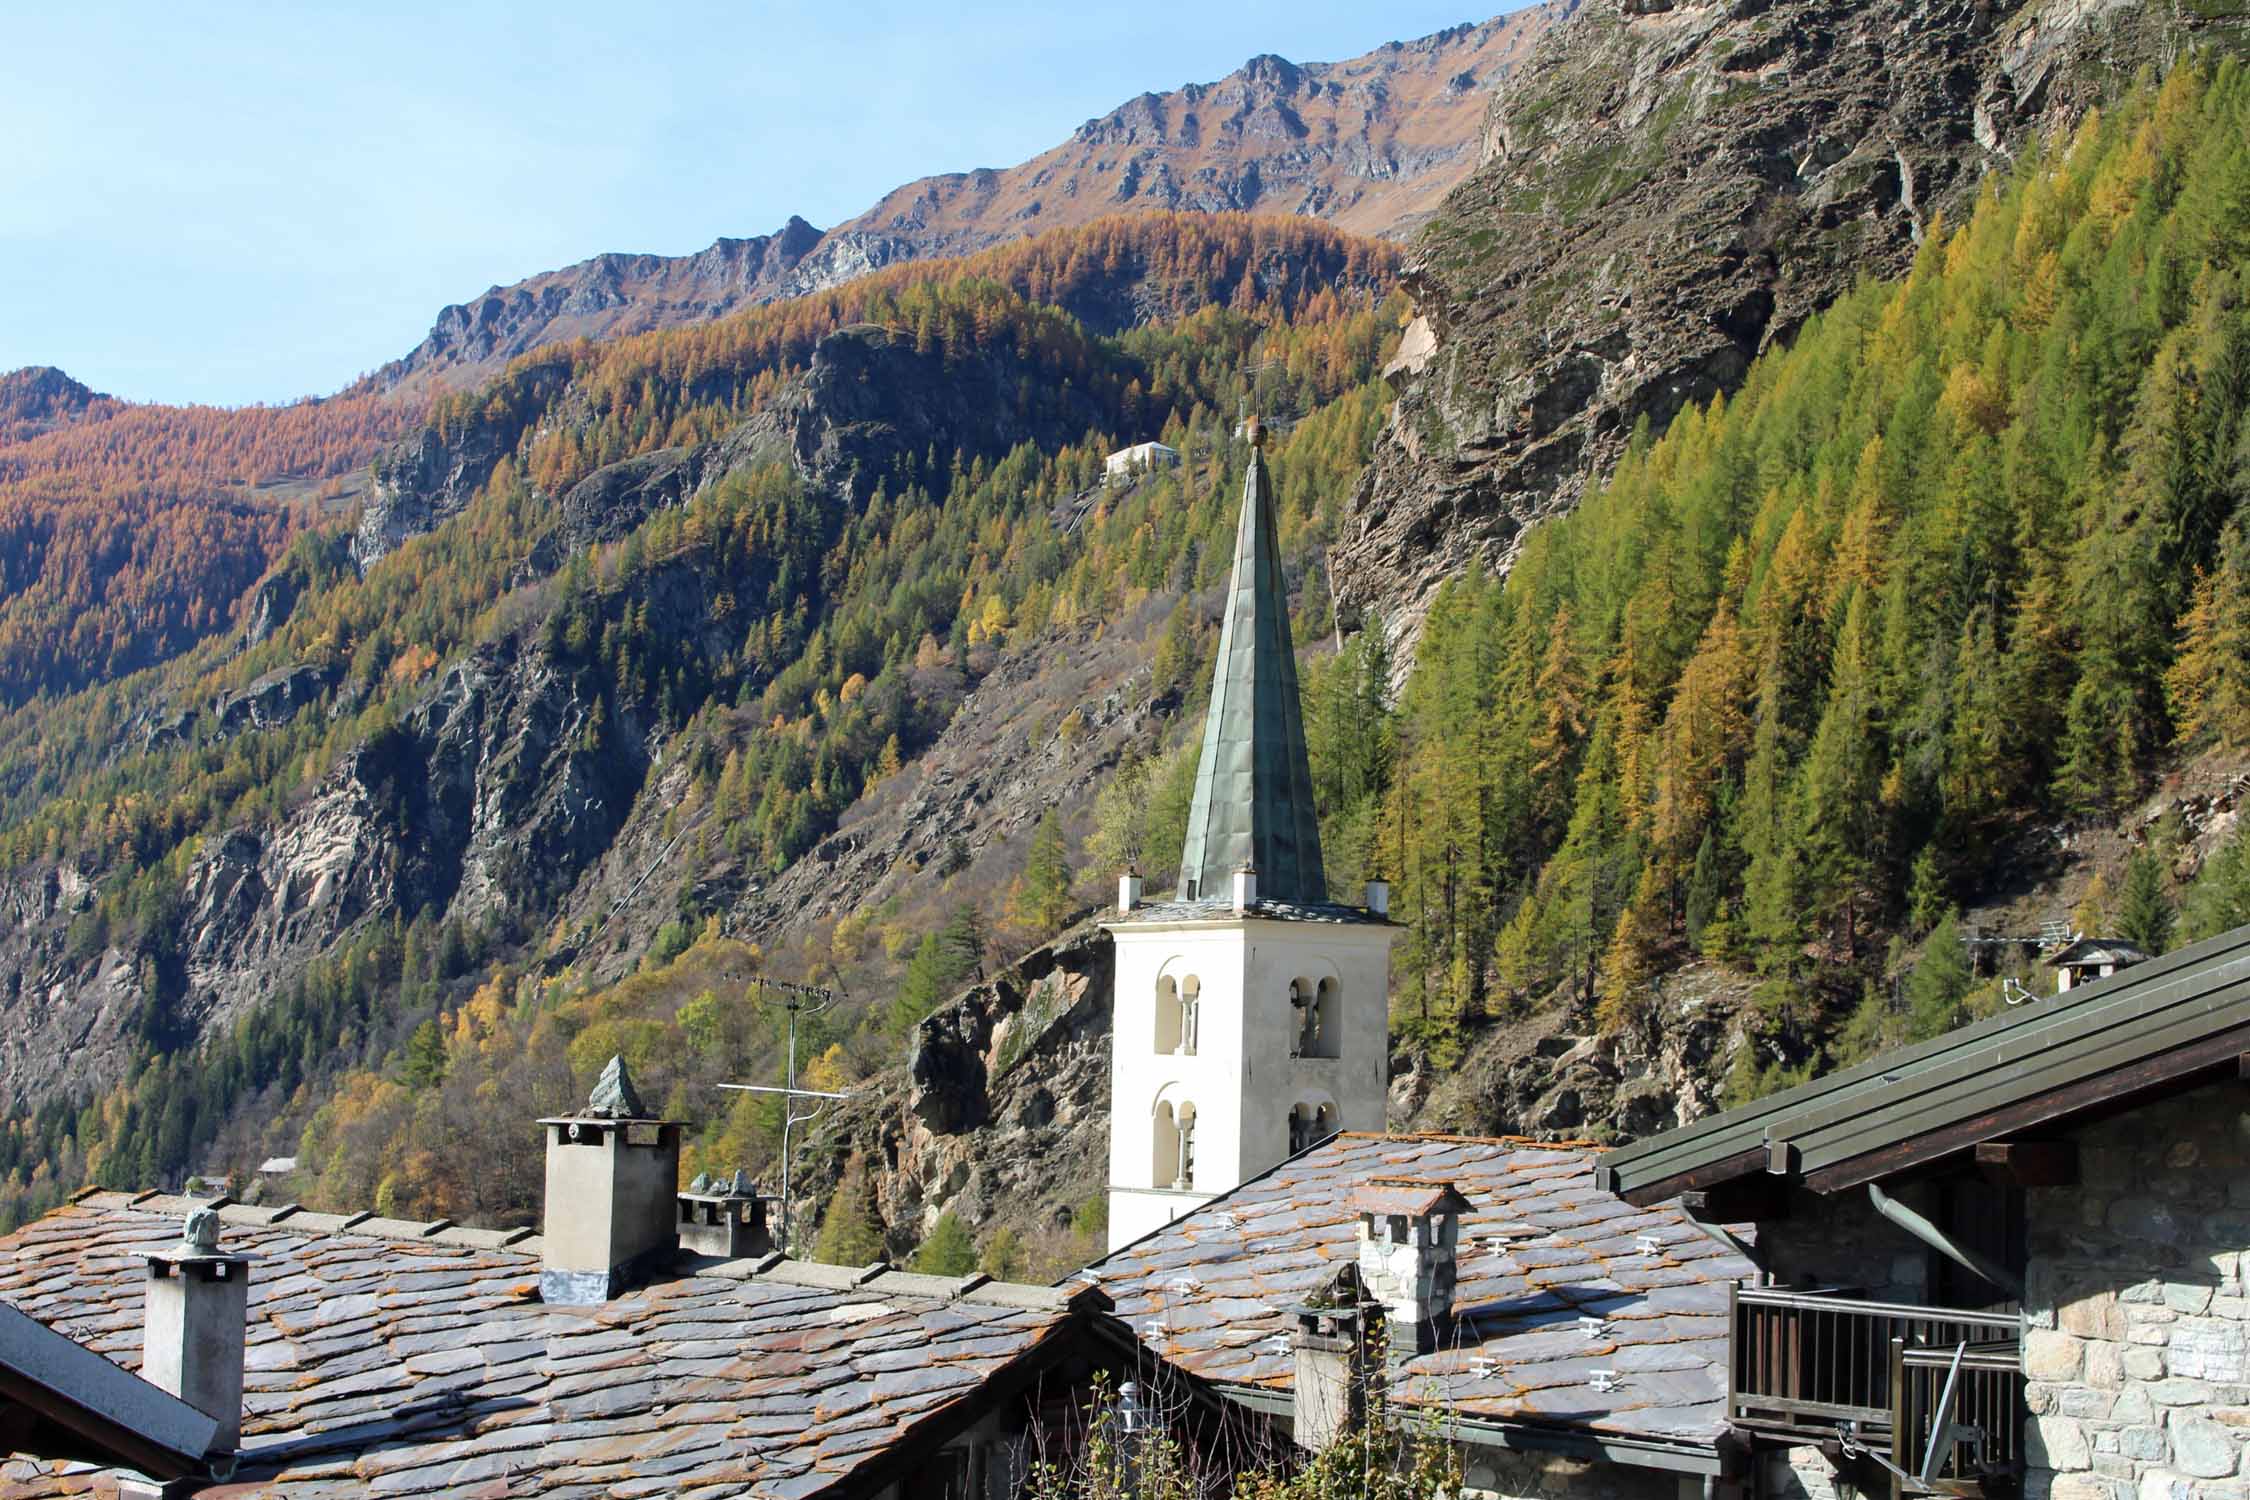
[1252,1013]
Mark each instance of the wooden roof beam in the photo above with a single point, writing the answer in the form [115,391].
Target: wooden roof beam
[2028,1164]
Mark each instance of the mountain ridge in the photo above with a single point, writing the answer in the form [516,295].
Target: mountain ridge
[1370,144]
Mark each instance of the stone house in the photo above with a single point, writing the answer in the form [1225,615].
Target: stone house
[2008,1259]
[645,1343]
[1572,1345]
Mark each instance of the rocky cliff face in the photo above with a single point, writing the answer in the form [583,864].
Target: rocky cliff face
[513,790]
[1666,190]
[1372,145]
[866,398]
[485,802]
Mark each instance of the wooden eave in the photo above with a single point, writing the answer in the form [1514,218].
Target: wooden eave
[2100,1047]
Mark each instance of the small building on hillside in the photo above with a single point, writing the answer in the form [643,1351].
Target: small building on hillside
[1138,459]
[2086,959]
[2008,1260]
[360,1355]
[1572,1344]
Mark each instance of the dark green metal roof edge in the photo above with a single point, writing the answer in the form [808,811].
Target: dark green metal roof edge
[1253,799]
[2196,994]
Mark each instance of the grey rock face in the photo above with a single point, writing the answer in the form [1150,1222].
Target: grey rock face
[423,480]
[1666,191]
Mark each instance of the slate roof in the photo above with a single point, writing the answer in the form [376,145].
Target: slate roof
[1541,1249]
[1253,799]
[61,1399]
[2088,950]
[420,1362]
[2100,1046]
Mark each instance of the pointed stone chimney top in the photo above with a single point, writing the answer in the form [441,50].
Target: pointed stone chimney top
[613,1097]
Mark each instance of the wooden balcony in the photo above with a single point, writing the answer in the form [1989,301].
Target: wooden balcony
[1885,1380]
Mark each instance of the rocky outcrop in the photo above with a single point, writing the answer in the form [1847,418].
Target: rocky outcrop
[486,802]
[1002,1112]
[273,699]
[40,398]
[1666,190]
[1371,145]
[866,400]
[426,479]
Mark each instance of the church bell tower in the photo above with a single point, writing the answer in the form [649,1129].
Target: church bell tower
[1252,1012]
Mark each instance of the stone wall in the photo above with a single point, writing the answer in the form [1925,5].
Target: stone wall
[1507,1474]
[1831,1242]
[2139,1379]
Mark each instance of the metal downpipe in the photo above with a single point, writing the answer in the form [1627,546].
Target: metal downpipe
[1937,1239]
[1726,1237]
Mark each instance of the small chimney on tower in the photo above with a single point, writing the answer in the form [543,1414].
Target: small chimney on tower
[1245,888]
[613,1175]
[1379,897]
[195,1307]
[1409,1234]
[1128,892]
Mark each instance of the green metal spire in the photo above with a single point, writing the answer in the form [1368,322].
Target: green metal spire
[1253,787]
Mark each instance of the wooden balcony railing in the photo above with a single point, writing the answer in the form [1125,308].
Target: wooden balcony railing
[1818,1367]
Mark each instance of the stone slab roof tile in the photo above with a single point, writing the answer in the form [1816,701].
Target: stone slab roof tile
[402,1359]
[1211,1291]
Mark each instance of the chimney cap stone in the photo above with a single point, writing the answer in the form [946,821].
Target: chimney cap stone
[614,1095]
[1414,1197]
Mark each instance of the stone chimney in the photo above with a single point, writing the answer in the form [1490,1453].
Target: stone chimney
[613,1174]
[726,1218]
[196,1301]
[1333,1348]
[1128,892]
[1245,888]
[1409,1231]
[1379,897]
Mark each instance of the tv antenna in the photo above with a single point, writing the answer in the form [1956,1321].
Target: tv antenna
[798,999]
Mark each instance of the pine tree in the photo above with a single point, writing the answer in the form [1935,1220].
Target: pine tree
[425,1057]
[1941,981]
[2209,680]
[851,1230]
[949,1251]
[2145,915]
[2219,900]
[1039,901]
[1839,823]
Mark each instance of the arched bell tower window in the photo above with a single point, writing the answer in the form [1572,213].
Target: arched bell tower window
[1327,1032]
[1177,1004]
[1314,1029]
[1310,1122]
[1173,1163]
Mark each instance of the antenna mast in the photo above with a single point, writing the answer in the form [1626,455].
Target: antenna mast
[800,998]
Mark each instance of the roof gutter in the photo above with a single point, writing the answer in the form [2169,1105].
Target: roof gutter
[1943,1243]
[1708,1460]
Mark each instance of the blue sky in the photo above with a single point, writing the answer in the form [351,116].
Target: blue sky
[244,202]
